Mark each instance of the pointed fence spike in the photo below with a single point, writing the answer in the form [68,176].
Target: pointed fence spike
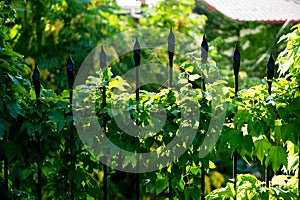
[171,42]
[204,50]
[70,72]
[236,67]
[36,81]
[236,60]
[137,61]
[270,67]
[270,72]
[171,51]
[102,58]
[137,52]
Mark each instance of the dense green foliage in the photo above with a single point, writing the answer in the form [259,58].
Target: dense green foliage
[259,126]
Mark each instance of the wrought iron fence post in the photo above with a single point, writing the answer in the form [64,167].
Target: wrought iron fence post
[270,75]
[71,75]
[102,66]
[37,89]
[236,69]
[204,56]
[137,62]
[171,51]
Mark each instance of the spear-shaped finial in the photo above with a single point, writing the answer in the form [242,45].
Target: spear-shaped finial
[70,72]
[204,50]
[102,58]
[270,72]
[137,61]
[171,44]
[236,67]
[171,51]
[137,52]
[36,81]
[236,60]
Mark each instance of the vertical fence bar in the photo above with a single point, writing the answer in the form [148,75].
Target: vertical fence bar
[37,89]
[137,62]
[171,51]
[204,56]
[71,75]
[270,75]
[236,68]
[102,66]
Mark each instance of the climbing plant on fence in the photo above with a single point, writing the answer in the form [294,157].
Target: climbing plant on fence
[258,126]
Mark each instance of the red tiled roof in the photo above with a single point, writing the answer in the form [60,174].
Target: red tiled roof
[276,11]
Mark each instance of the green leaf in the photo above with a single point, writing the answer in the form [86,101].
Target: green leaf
[4,125]
[14,80]
[261,148]
[58,116]
[30,128]
[187,193]
[129,160]
[15,110]
[161,184]
[188,67]
[277,156]
[10,150]
[283,113]
[235,139]
[194,77]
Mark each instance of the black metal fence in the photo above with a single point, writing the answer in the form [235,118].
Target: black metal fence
[137,57]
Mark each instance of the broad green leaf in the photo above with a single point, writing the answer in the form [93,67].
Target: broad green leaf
[10,150]
[161,184]
[277,156]
[14,80]
[261,148]
[58,116]
[129,160]
[15,109]
[4,125]
[30,128]
[194,77]
[247,177]
[188,67]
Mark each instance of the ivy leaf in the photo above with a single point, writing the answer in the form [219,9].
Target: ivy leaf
[129,160]
[234,138]
[283,113]
[277,156]
[3,126]
[10,150]
[119,83]
[14,80]
[57,116]
[192,193]
[194,77]
[261,148]
[15,109]
[188,67]
[30,128]
[161,184]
